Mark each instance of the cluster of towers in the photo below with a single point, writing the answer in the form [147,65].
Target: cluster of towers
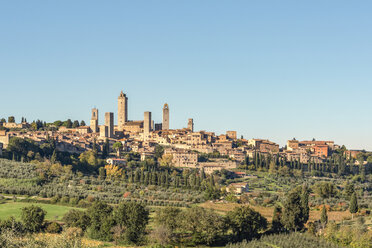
[147,125]
[106,130]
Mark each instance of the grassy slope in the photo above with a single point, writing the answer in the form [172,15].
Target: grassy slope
[54,212]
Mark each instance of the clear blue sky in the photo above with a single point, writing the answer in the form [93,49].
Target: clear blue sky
[268,69]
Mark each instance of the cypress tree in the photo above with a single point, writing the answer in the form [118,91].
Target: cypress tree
[136,176]
[305,203]
[102,173]
[362,173]
[353,205]
[159,179]
[276,225]
[198,183]
[324,216]
[166,180]
[142,178]
[131,177]
[53,159]
[106,149]
[186,183]
[294,215]
[94,148]
[146,180]
[203,173]
[256,159]
[211,181]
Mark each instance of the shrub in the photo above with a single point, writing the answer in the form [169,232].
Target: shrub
[74,201]
[33,218]
[76,218]
[134,218]
[83,204]
[12,225]
[53,227]
[101,222]
[65,199]
[245,223]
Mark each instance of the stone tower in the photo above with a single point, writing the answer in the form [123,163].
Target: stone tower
[190,125]
[146,125]
[109,123]
[122,110]
[166,117]
[103,131]
[94,121]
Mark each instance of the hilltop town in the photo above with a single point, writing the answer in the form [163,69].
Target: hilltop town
[185,146]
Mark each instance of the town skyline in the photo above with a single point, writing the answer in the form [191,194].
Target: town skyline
[132,116]
[271,70]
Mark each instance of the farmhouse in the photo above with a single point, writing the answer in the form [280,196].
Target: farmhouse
[238,188]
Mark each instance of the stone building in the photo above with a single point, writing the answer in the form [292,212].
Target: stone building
[158,126]
[183,158]
[292,145]
[352,153]
[190,125]
[165,117]
[103,131]
[109,123]
[237,155]
[4,138]
[133,126]
[122,110]
[321,150]
[231,135]
[146,125]
[264,145]
[238,188]
[16,125]
[312,143]
[94,121]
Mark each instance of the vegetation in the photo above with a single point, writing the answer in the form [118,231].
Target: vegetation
[246,223]
[337,163]
[324,216]
[150,202]
[296,210]
[349,234]
[33,218]
[293,240]
[353,204]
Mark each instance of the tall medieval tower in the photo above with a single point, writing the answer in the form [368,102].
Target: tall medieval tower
[94,121]
[190,125]
[109,123]
[146,125]
[166,117]
[122,110]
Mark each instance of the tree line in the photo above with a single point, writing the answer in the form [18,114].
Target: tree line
[336,164]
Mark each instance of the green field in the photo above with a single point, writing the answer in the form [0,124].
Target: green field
[54,212]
